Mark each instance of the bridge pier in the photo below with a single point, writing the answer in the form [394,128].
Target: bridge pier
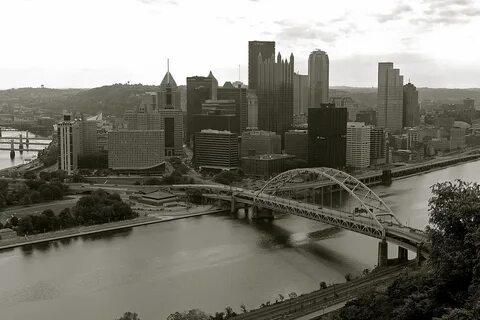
[251,212]
[402,254]
[232,204]
[382,253]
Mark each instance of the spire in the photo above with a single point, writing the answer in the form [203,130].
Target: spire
[168,70]
[279,58]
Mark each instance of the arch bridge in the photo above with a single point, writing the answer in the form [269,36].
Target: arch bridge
[329,196]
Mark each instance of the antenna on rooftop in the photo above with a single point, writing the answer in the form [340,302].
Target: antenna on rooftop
[239,72]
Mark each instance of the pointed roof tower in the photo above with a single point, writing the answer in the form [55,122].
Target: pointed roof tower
[168,80]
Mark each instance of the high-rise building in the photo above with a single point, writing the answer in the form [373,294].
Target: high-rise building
[199,89]
[378,146]
[239,95]
[389,98]
[327,128]
[275,94]
[68,134]
[301,93]
[347,102]
[136,150]
[255,48]
[411,108]
[296,143]
[260,142]
[169,96]
[457,138]
[88,136]
[318,73]
[252,113]
[358,145]
[213,149]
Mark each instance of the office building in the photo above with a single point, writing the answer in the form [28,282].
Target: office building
[318,73]
[68,137]
[255,48]
[199,89]
[296,143]
[358,145]
[252,113]
[239,96]
[169,96]
[378,146]
[327,128]
[411,108]
[213,149]
[136,150]
[266,165]
[389,98]
[347,102]
[275,94]
[457,138]
[301,93]
[88,136]
[369,117]
[260,142]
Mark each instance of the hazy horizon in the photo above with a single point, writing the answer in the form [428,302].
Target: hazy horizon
[86,44]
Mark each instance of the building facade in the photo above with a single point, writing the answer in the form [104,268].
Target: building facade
[266,165]
[252,113]
[213,149]
[318,74]
[255,48]
[327,129]
[296,143]
[358,145]
[199,89]
[378,147]
[301,94]
[411,107]
[136,150]
[275,94]
[239,96]
[389,98]
[68,137]
[260,142]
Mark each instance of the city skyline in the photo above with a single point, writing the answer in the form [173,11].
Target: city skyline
[424,40]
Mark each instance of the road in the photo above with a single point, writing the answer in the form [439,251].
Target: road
[309,306]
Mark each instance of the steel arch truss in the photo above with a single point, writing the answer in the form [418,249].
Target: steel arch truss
[375,213]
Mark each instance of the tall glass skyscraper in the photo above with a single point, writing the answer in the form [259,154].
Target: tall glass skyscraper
[267,50]
[318,73]
[389,98]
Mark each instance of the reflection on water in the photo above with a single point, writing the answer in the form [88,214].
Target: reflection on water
[210,261]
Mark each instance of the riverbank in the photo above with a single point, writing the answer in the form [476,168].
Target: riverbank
[95,229]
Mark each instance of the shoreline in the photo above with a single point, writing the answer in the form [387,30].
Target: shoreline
[95,229]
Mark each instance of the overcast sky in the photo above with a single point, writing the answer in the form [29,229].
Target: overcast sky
[88,43]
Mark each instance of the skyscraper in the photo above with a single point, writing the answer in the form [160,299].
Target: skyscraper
[318,73]
[389,98]
[358,145]
[327,128]
[275,94]
[69,147]
[301,90]
[411,108]
[239,95]
[266,49]
[199,89]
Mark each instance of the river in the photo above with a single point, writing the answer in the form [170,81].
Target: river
[20,158]
[206,262]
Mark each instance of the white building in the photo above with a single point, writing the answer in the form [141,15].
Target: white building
[389,98]
[69,144]
[358,145]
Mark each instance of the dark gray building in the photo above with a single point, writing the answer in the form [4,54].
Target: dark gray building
[411,108]
[266,49]
[327,129]
[296,143]
[213,149]
[199,89]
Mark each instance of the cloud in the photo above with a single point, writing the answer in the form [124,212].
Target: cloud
[447,12]
[395,14]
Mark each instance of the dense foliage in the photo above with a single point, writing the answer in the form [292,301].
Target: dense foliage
[227,177]
[49,155]
[448,286]
[99,207]
[176,177]
[31,191]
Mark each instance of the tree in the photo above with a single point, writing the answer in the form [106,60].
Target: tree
[292,295]
[129,316]
[281,297]
[323,285]
[25,225]
[194,196]
[243,308]
[348,277]
[14,221]
[194,314]
[30,175]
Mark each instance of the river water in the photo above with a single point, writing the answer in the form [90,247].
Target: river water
[206,262]
[20,158]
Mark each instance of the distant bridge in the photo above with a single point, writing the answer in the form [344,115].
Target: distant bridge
[329,196]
